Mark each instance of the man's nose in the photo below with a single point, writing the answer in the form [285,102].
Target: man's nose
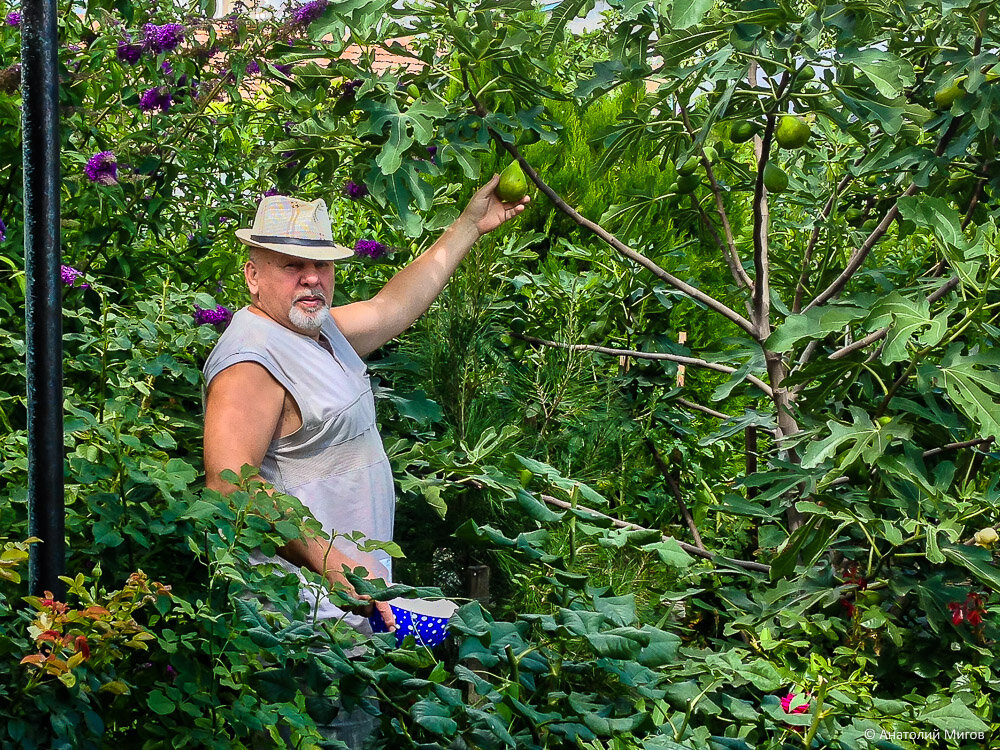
[310,276]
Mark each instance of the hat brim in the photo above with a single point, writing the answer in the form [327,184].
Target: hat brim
[333,251]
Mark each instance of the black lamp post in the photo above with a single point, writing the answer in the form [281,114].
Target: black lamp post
[43,293]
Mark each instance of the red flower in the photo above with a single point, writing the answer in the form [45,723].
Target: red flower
[786,703]
[848,606]
[957,613]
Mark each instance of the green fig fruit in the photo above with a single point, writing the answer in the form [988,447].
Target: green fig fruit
[513,184]
[686,183]
[711,154]
[688,167]
[462,18]
[775,180]
[517,325]
[792,132]
[413,90]
[948,95]
[806,74]
[742,131]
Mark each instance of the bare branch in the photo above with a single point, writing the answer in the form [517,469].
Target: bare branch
[693,292]
[704,409]
[729,250]
[694,361]
[761,218]
[873,337]
[957,446]
[689,548]
[676,489]
[800,287]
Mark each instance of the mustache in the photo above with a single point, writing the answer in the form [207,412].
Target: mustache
[310,293]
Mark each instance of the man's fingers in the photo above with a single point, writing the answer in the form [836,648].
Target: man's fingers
[387,616]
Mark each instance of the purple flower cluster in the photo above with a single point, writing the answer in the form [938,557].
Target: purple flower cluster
[69,276]
[370,248]
[220,316]
[3,231]
[165,38]
[167,68]
[13,19]
[348,89]
[102,168]
[306,14]
[156,98]
[253,68]
[285,70]
[354,191]
[128,52]
[268,194]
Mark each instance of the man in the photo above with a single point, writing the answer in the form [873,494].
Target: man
[286,384]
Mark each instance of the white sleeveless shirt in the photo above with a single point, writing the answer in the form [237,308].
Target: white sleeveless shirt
[334,463]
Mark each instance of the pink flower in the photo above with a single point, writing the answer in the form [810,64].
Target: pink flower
[787,701]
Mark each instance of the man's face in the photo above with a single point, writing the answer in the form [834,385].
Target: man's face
[295,292]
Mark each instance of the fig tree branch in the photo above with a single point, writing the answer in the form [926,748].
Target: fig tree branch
[704,409]
[691,291]
[729,250]
[689,548]
[857,258]
[873,337]
[678,495]
[680,359]
[800,287]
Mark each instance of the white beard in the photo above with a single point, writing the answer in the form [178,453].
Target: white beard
[309,322]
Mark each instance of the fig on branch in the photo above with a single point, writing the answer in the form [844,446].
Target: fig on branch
[513,184]
[742,131]
[711,154]
[948,95]
[688,167]
[775,180]
[687,183]
[792,132]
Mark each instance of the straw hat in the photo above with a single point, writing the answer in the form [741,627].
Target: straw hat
[293,227]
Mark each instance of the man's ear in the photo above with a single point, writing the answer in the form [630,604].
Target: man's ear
[250,274]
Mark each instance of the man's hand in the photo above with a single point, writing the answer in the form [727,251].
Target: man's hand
[486,212]
[383,609]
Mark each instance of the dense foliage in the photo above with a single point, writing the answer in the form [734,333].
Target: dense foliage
[795,548]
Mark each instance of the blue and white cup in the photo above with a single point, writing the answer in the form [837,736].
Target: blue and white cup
[425,620]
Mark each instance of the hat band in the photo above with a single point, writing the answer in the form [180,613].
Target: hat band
[277,240]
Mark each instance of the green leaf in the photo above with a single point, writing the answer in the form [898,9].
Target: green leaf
[160,703]
[976,560]
[890,74]
[762,674]
[904,318]
[559,16]
[536,509]
[670,553]
[687,13]
[434,718]
[955,717]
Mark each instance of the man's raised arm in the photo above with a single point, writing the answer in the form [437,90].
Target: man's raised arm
[369,324]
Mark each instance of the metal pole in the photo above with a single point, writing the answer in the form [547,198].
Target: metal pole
[43,294]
